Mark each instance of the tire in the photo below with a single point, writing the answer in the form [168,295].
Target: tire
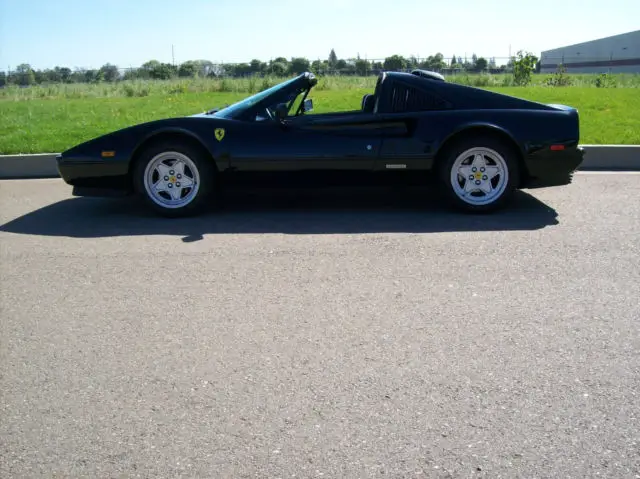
[491,172]
[185,176]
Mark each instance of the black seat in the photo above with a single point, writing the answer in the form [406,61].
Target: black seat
[368,103]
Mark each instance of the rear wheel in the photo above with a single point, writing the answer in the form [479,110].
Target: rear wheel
[174,179]
[479,174]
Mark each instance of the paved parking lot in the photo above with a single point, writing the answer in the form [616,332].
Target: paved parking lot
[356,335]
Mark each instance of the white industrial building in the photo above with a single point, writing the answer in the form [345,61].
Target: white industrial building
[616,54]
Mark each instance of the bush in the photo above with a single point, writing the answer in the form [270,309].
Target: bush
[179,88]
[605,80]
[523,66]
[559,78]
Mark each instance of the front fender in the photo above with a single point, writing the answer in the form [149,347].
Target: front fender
[200,130]
[170,131]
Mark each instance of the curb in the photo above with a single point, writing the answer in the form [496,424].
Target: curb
[41,165]
[611,157]
[597,157]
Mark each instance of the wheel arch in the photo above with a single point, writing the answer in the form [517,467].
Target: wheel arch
[483,130]
[168,134]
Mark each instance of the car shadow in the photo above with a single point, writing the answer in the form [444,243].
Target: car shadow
[287,212]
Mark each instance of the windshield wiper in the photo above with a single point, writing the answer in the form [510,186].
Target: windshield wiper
[215,110]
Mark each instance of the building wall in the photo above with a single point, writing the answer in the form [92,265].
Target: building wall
[616,54]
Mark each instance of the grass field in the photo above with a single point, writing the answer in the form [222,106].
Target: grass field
[53,118]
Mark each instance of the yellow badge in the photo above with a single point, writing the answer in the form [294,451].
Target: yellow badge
[219,132]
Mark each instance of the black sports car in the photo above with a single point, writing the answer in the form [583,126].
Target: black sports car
[479,146]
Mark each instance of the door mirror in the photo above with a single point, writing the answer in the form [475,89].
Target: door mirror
[308,105]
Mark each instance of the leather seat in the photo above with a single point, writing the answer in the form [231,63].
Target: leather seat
[368,103]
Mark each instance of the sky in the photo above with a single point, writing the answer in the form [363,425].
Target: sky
[90,33]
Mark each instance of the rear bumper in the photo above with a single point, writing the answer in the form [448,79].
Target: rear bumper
[552,168]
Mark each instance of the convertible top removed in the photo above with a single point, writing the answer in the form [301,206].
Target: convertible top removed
[478,145]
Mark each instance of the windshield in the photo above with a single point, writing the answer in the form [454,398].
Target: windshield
[247,103]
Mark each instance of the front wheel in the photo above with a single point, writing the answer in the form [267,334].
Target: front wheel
[174,179]
[479,175]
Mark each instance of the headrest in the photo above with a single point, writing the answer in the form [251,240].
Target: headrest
[368,103]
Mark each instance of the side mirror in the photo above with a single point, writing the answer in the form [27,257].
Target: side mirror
[308,105]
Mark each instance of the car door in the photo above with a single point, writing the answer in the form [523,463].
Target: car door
[344,141]
[415,111]
[408,145]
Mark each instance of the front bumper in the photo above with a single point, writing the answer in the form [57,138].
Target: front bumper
[547,168]
[91,177]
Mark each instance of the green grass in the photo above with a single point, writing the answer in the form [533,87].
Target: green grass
[145,88]
[51,119]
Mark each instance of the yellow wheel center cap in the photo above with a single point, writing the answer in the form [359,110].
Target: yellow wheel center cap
[478,176]
[172,179]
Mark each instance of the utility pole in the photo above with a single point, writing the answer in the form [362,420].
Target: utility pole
[173,57]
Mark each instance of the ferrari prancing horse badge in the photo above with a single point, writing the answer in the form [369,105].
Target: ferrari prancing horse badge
[219,132]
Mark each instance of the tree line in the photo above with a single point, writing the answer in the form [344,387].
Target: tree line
[24,75]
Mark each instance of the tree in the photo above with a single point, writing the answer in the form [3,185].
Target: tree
[340,65]
[316,66]
[188,69]
[65,74]
[481,64]
[257,66]
[205,67]
[3,79]
[523,65]
[349,67]
[131,74]
[159,71]
[25,74]
[91,76]
[47,76]
[147,68]
[278,69]
[434,62]
[239,70]
[362,67]
[333,58]
[298,65]
[110,72]
[395,62]
[453,60]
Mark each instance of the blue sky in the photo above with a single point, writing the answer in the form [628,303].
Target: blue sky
[89,33]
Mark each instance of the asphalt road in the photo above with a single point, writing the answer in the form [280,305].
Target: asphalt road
[322,336]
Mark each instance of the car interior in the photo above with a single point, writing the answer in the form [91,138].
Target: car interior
[369,100]
[368,103]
